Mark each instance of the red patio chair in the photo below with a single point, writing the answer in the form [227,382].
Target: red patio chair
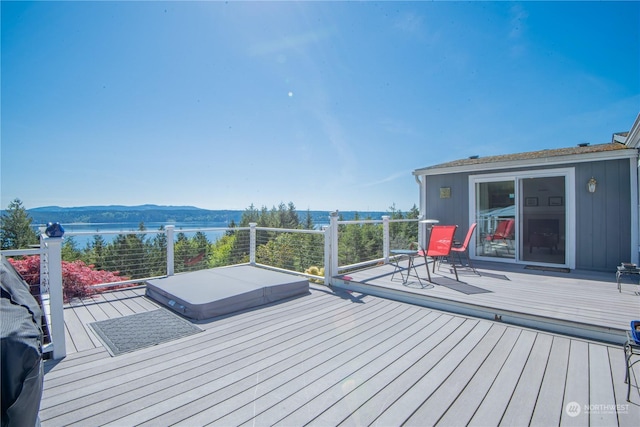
[440,243]
[504,233]
[464,247]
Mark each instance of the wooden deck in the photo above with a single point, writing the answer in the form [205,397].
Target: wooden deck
[336,358]
[579,303]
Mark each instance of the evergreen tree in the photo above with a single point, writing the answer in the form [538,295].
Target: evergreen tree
[94,252]
[251,214]
[16,231]
[182,252]
[202,248]
[221,251]
[291,219]
[263,220]
[157,262]
[308,221]
[70,250]
[232,225]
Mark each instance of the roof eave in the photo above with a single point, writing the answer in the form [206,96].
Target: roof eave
[546,161]
[633,139]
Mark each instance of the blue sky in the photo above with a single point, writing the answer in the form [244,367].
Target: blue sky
[329,105]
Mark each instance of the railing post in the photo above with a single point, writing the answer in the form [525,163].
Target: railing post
[252,243]
[327,254]
[53,249]
[385,238]
[170,253]
[44,268]
[333,258]
[44,265]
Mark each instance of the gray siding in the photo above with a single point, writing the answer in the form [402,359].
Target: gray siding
[603,219]
[454,210]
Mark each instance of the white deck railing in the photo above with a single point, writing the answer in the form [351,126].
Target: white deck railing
[50,252]
[322,252]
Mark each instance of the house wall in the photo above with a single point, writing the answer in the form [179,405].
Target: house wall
[603,219]
[453,210]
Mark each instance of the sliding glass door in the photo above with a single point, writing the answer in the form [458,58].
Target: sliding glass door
[543,220]
[524,216]
[495,215]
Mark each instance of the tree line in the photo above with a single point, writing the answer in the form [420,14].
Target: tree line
[149,214]
[144,255]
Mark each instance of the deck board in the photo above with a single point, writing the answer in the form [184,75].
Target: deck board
[143,363]
[137,373]
[600,386]
[119,303]
[322,387]
[436,346]
[577,383]
[520,409]
[444,397]
[584,299]
[629,414]
[360,406]
[100,307]
[286,387]
[422,379]
[549,405]
[68,339]
[465,406]
[344,397]
[502,388]
[85,317]
[79,335]
[281,368]
[334,358]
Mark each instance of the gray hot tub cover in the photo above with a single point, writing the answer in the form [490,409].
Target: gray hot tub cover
[209,293]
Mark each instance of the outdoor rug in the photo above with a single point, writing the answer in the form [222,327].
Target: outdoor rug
[542,268]
[465,288]
[131,333]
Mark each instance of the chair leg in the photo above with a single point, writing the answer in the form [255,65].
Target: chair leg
[395,269]
[412,264]
[426,265]
[455,270]
[469,261]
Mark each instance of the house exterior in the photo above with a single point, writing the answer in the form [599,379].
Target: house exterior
[574,207]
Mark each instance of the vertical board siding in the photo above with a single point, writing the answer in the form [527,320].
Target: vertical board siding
[603,219]
[452,211]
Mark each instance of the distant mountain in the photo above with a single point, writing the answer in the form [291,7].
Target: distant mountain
[156,213]
[131,214]
[113,208]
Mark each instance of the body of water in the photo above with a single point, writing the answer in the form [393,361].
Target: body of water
[109,231]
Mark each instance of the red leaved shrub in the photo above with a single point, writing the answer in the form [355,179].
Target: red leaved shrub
[29,268]
[77,277]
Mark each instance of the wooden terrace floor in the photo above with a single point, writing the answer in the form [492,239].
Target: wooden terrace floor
[581,303]
[336,358]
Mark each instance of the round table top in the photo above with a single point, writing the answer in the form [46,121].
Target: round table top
[429,221]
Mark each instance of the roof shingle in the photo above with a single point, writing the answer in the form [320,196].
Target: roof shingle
[581,149]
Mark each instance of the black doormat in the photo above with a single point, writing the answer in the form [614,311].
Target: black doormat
[542,268]
[130,333]
[465,288]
